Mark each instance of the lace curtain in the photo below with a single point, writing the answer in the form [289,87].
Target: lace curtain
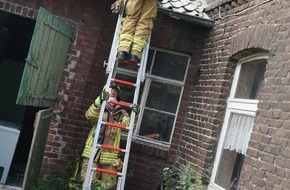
[239,132]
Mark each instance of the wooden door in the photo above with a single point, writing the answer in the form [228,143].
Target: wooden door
[41,128]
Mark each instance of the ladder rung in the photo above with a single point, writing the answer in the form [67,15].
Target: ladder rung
[115,125]
[124,82]
[128,62]
[124,104]
[112,148]
[108,171]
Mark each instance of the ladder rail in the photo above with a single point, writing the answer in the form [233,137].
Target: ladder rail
[141,72]
[113,51]
[144,59]
[87,183]
[88,179]
[110,67]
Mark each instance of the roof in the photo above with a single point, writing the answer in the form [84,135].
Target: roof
[189,10]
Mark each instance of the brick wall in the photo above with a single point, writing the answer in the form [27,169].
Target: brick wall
[84,77]
[245,27]
[147,161]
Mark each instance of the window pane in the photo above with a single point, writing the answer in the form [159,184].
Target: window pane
[170,66]
[229,169]
[163,97]
[149,60]
[156,125]
[250,79]
[161,100]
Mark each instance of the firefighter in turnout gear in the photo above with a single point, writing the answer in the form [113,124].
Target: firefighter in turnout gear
[136,27]
[106,159]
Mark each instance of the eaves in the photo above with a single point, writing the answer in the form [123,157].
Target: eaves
[188,18]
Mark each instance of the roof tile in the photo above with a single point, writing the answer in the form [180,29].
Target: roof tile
[190,7]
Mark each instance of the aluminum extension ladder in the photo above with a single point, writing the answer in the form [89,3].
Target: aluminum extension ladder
[121,176]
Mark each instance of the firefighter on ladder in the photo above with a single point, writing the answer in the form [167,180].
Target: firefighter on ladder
[136,27]
[106,159]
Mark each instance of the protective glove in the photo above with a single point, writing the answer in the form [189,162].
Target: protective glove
[117,6]
[103,96]
[118,164]
[135,108]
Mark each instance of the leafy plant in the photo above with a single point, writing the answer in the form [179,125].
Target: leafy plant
[166,177]
[99,185]
[189,180]
[186,180]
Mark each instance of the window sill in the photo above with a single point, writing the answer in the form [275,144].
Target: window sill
[150,147]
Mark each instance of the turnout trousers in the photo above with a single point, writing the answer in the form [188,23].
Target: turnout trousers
[137,25]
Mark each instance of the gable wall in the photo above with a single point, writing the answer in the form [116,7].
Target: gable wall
[257,25]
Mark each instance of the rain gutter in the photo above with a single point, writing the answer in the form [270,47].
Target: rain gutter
[188,18]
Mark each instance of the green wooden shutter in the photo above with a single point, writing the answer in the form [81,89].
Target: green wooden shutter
[45,61]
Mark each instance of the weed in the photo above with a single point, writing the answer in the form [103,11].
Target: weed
[186,180]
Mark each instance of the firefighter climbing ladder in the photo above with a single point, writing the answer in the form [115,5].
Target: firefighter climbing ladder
[140,78]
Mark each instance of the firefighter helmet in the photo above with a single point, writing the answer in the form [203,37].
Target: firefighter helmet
[117,87]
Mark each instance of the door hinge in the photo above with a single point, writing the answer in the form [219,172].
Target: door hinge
[29,62]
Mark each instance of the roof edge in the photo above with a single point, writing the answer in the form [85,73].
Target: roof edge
[188,18]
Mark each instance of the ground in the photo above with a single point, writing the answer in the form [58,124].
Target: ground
[5,187]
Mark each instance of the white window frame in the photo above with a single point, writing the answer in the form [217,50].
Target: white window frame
[234,105]
[144,95]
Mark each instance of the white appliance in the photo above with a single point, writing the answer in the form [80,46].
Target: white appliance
[9,133]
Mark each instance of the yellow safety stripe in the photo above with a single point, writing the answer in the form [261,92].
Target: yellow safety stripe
[124,44]
[118,138]
[89,143]
[126,37]
[139,41]
[138,44]
[87,152]
[98,101]
[125,40]
[151,24]
[94,112]
[107,156]
[126,121]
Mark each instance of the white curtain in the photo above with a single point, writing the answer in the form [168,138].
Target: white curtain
[239,132]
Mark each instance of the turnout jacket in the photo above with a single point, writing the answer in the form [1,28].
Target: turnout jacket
[111,135]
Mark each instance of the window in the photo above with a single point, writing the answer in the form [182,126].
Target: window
[238,122]
[159,95]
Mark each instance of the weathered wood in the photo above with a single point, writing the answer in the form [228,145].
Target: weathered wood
[45,61]
[41,128]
